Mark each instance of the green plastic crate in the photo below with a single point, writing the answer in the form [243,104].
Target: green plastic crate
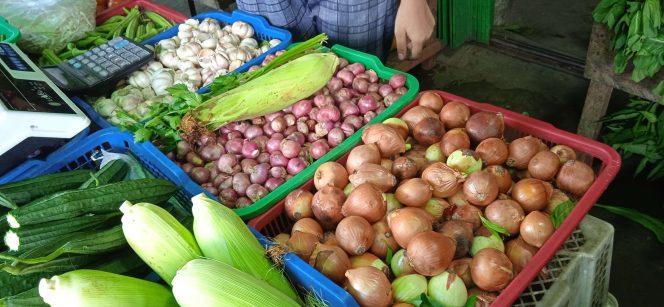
[8,33]
[370,62]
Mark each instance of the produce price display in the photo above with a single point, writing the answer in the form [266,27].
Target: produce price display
[434,207]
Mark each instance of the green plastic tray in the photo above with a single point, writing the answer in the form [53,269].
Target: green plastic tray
[370,62]
[8,33]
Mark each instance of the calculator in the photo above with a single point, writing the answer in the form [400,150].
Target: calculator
[99,69]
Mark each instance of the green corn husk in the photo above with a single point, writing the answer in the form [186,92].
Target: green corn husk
[223,236]
[207,282]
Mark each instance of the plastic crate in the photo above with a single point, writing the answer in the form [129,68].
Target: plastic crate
[11,34]
[263,31]
[578,275]
[165,11]
[274,220]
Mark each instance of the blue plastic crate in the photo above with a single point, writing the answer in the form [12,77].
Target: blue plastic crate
[263,31]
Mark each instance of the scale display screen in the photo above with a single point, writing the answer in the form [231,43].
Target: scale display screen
[30,95]
[11,59]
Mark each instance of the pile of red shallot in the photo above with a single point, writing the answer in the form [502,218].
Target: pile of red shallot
[410,212]
[248,159]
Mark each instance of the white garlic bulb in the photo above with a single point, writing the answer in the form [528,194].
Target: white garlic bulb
[188,51]
[249,42]
[242,29]
[192,22]
[169,58]
[235,64]
[274,42]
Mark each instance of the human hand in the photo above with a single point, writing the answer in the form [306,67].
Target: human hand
[413,27]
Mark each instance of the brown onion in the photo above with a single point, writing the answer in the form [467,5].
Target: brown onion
[308,225]
[469,214]
[383,239]
[404,168]
[369,259]
[406,222]
[365,201]
[438,208]
[399,125]
[332,174]
[502,176]
[329,238]
[428,131]
[484,298]
[519,252]
[505,213]
[564,153]
[430,253]
[522,150]
[557,197]
[302,244]
[374,174]
[392,202]
[416,114]
[388,140]
[483,125]
[493,151]
[491,269]
[355,235]
[369,286]
[360,155]
[480,188]
[454,114]
[444,180]
[536,228]
[575,177]
[386,163]
[458,199]
[281,238]
[544,165]
[330,260]
[432,101]
[413,192]
[419,156]
[531,194]
[326,205]
[461,267]
[454,139]
[462,233]
[298,204]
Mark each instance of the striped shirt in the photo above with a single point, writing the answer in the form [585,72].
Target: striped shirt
[365,25]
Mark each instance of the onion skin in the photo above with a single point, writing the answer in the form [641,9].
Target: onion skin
[330,260]
[413,116]
[461,267]
[557,197]
[491,270]
[462,233]
[483,125]
[438,208]
[408,288]
[432,101]
[404,168]
[466,161]
[448,289]
[413,192]
[302,244]
[454,139]
[522,150]
[407,222]
[392,202]
[367,202]
[444,180]
[484,298]
[502,176]
[326,206]
[329,238]
[374,174]
[531,194]
[519,252]
[430,253]
[383,239]
[367,153]
[355,235]
[493,151]
[575,177]
[388,140]
[454,114]
[564,153]
[544,165]
[486,241]
[400,265]
[281,238]
[536,228]
[330,174]
[428,131]
[308,225]
[480,188]
[469,214]
[386,163]
[458,199]
[399,125]
[505,213]
[369,259]
[369,286]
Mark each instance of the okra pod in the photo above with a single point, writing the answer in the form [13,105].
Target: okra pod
[158,19]
[51,57]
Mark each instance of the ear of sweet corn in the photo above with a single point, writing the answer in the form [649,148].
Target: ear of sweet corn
[102,289]
[158,238]
[223,236]
[271,92]
[207,282]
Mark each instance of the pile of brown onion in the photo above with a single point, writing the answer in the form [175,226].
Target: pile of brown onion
[417,187]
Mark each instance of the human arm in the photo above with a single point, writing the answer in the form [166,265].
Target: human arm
[414,25]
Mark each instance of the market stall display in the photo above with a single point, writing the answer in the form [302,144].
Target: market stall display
[328,200]
[8,33]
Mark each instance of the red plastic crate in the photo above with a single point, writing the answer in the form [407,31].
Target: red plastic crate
[165,11]
[517,125]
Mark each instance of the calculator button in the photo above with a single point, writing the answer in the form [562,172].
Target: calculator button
[94,57]
[113,68]
[132,58]
[91,64]
[71,61]
[101,53]
[77,65]
[121,44]
[106,64]
[115,40]
[103,73]
[95,50]
[104,46]
[85,61]
[96,69]
[122,63]
[142,53]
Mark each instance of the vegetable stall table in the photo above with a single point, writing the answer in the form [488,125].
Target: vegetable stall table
[603,79]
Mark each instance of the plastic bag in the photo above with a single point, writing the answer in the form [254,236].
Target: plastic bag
[49,23]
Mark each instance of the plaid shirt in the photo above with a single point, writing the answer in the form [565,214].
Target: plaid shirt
[365,25]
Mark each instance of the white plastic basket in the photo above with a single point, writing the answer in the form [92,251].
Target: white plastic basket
[578,275]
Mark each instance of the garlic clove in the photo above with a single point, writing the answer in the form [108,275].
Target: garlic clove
[209,43]
[235,64]
[184,27]
[249,42]
[228,29]
[274,42]
[192,22]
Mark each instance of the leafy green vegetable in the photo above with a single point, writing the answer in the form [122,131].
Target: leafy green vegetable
[390,253]
[561,212]
[653,224]
[425,301]
[493,228]
[471,300]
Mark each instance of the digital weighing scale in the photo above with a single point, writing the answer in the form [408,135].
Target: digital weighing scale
[35,116]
